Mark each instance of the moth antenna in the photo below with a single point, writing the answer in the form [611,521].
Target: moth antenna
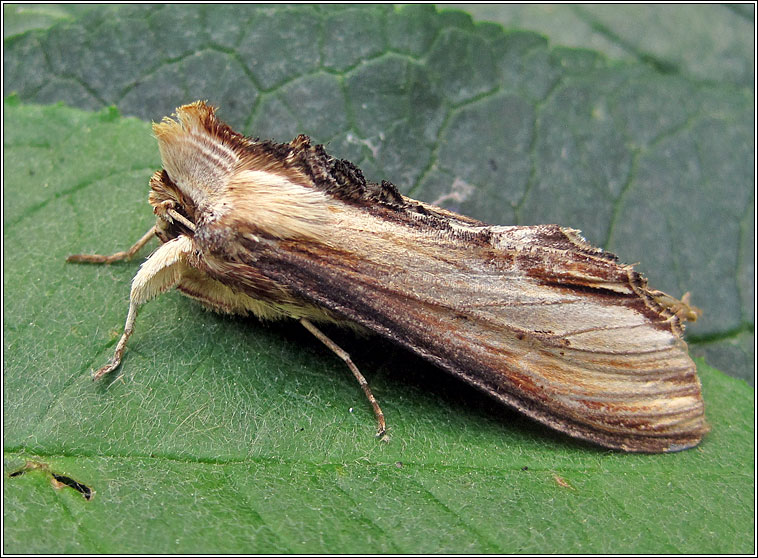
[118,256]
[182,219]
[381,430]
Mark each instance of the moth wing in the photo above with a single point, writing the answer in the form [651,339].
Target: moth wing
[534,316]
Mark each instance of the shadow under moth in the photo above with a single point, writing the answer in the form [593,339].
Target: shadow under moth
[532,315]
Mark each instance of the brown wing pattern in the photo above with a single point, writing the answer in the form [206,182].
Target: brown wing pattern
[534,316]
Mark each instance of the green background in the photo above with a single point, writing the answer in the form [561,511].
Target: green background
[222,434]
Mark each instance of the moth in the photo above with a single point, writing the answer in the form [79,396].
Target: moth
[534,316]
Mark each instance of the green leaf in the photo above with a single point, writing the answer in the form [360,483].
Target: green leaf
[19,18]
[705,42]
[225,435]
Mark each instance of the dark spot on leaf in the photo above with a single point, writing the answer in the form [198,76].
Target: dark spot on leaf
[82,489]
[57,480]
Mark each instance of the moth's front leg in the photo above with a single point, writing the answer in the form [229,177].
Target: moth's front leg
[119,352]
[161,271]
[118,256]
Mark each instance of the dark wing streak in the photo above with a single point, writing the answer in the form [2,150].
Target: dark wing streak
[515,304]
[579,393]
[576,332]
[624,353]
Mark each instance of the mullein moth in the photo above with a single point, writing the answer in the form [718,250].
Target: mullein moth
[532,315]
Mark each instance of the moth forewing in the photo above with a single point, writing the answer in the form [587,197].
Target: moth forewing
[601,363]
[534,316]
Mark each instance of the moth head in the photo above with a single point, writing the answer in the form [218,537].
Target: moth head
[196,152]
[213,176]
[176,212]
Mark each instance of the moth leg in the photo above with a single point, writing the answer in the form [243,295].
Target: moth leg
[381,430]
[118,256]
[160,272]
[119,352]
